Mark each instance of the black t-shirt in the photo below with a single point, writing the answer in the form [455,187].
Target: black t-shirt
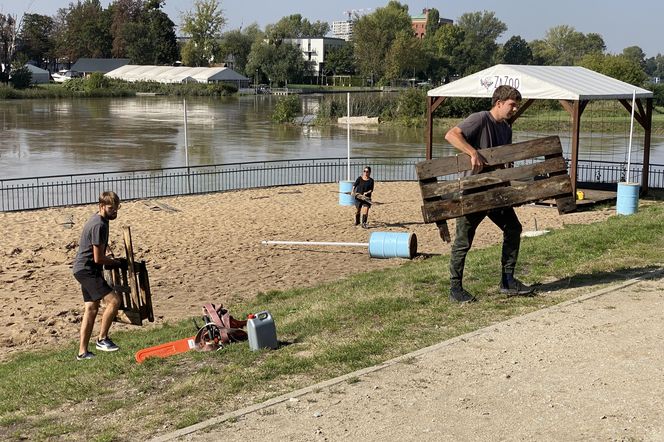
[482,131]
[362,186]
[95,233]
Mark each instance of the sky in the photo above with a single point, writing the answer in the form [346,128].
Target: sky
[621,23]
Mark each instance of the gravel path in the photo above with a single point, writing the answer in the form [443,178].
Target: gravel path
[587,369]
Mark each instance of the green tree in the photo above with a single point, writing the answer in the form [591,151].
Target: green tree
[616,66]
[36,37]
[373,35]
[294,26]
[479,47]
[278,63]
[563,45]
[516,51]
[433,22]
[85,31]
[203,24]
[123,12]
[236,45]
[405,57]
[21,77]
[635,54]
[655,66]
[448,49]
[151,37]
[340,60]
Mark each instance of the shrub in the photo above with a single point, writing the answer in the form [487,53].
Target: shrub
[95,81]
[286,109]
[21,77]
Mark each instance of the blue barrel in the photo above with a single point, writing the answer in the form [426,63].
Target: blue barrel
[392,245]
[628,198]
[345,188]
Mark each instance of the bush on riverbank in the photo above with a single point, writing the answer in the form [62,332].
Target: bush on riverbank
[286,109]
[97,85]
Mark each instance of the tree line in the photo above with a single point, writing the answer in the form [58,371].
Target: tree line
[383,48]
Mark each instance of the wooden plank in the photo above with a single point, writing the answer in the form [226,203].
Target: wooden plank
[146,295]
[131,274]
[432,189]
[129,317]
[554,187]
[495,156]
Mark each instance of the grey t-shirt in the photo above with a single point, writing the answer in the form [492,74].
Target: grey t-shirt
[482,131]
[95,232]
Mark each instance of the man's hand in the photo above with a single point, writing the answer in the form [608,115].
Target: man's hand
[477,161]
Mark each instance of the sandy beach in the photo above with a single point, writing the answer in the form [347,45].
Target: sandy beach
[208,248]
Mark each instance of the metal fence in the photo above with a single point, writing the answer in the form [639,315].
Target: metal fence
[64,190]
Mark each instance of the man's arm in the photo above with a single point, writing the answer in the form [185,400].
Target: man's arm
[455,137]
[99,254]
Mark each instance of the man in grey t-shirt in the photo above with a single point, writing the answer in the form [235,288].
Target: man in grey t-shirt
[482,130]
[88,270]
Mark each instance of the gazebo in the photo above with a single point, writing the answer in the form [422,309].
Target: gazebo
[573,86]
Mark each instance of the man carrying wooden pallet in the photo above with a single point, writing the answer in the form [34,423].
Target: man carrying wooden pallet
[483,130]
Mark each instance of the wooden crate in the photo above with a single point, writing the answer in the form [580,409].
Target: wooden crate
[133,286]
[447,193]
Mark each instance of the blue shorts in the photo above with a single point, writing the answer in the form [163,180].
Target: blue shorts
[93,285]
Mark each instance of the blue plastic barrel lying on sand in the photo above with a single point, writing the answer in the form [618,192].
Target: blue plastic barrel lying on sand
[628,198]
[392,245]
[345,188]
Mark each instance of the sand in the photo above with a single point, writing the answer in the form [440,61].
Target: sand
[207,248]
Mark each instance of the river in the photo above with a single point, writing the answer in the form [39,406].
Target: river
[67,136]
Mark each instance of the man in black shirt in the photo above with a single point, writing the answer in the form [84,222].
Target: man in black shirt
[88,270]
[482,130]
[362,189]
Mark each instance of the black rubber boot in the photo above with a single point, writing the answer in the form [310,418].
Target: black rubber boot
[364,221]
[357,219]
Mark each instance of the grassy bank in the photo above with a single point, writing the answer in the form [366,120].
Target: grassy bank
[326,330]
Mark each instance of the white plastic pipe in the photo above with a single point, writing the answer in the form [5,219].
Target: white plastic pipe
[631,131]
[317,243]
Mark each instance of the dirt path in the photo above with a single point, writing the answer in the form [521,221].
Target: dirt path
[587,369]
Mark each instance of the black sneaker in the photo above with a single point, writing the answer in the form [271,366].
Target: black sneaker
[84,356]
[514,287]
[107,345]
[460,295]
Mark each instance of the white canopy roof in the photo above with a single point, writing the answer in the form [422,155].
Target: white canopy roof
[542,82]
[175,74]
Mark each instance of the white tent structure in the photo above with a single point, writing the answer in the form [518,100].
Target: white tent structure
[178,74]
[573,86]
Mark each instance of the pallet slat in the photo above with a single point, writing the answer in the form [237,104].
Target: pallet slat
[546,178]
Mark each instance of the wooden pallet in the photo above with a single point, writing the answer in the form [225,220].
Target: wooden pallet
[133,286]
[447,193]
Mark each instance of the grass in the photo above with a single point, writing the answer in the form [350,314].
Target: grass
[326,331]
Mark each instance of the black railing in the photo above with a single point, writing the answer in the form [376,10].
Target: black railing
[64,190]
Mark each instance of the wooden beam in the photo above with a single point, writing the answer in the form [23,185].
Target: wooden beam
[639,115]
[522,109]
[646,146]
[432,104]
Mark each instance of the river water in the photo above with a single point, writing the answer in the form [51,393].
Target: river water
[67,136]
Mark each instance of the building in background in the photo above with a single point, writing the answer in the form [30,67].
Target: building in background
[343,29]
[314,50]
[419,23]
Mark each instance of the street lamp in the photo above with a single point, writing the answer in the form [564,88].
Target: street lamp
[256,82]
